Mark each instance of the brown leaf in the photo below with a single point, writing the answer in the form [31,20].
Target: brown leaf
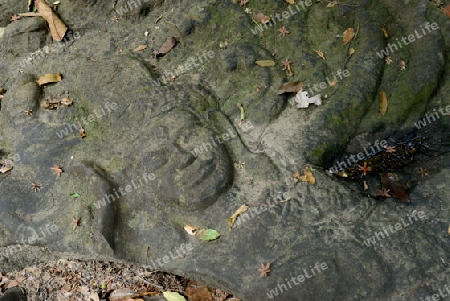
[290,87]
[57,27]
[307,176]
[12,283]
[168,44]
[198,292]
[332,4]
[94,296]
[261,18]
[265,63]
[49,78]
[233,218]
[366,187]
[190,229]
[319,53]
[349,34]
[66,101]
[82,131]
[446,10]
[383,103]
[290,1]
[264,269]
[391,182]
[140,48]
[6,165]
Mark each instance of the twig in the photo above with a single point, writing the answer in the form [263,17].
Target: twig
[151,283]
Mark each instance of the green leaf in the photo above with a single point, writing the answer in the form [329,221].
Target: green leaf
[75,195]
[173,296]
[209,234]
[265,63]
[2,30]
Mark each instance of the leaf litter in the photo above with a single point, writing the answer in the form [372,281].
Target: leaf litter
[57,28]
[98,280]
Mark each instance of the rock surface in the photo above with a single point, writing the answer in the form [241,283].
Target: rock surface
[142,132]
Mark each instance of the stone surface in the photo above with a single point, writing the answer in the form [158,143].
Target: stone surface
[141,181]
[13,294]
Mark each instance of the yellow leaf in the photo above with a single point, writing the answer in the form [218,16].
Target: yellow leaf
[332,82]
[384,30]
[49,78]
[332,4]
[190,229]
[349,34]
[173,296]
[290,87]
[140,48]
[383,103]
[319,53]
[57,27]
[290,1]
[265,63]
[351,51]
[233,218]
[307,176]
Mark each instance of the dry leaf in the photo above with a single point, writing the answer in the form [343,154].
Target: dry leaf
[197,292]
[49,78]
[140,48]
[6,165]
[233,218]
[307,176]
[66,101]
[82,131]
[290,1]
[290,87]
[385,32]
[366,187]
[349,34]
[319,53]
[332,4]
[30,5]
[351,51]
[57,27]
[446,10]
[94,296]
[261,18]
[168,44]
[332,82]
[12,283]
[265,63]
[449,230]
[303,101]
[383,103]
[190,229]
